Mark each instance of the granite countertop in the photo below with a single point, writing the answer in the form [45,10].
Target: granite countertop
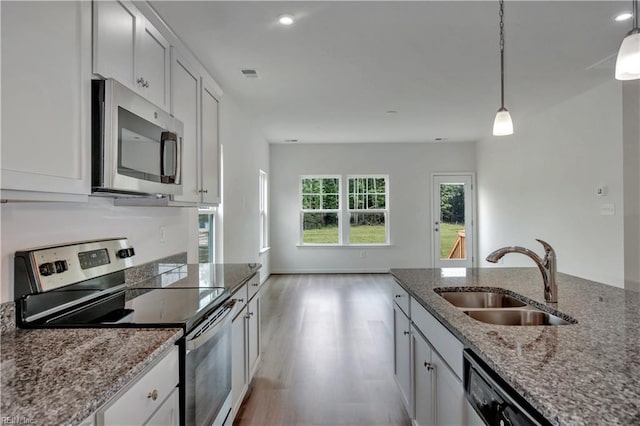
[579,374]
[61,376]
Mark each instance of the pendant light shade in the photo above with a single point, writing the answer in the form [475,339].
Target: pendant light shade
[502,125]
[628,62]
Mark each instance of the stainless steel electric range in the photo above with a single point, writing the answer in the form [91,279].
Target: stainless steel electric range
[83,285]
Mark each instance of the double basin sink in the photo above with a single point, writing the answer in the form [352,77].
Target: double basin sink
[494,307]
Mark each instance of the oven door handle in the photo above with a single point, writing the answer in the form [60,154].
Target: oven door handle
[195,343]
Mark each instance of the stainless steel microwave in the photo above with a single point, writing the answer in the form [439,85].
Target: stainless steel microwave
[136,146]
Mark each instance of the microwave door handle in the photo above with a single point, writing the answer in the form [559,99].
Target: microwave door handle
[164,137]
[178,171]
[195,343]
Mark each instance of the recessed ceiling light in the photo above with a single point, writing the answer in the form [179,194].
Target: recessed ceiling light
[392,111]
[291,140]
[249,73]
[285,19]
[440,139]
[624,16]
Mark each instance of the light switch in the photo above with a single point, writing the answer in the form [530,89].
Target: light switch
[607,209]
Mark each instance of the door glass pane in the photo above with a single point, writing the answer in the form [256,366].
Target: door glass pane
[320,228]
[452,230]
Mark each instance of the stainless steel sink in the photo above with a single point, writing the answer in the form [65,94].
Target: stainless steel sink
[516,317]
[492,306]
[481,299]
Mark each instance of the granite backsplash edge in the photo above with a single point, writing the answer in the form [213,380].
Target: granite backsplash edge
[132,275]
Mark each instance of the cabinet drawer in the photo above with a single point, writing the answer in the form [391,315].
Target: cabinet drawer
[401,297]
[253,285]
[136,404]
[445,343]
[241,297]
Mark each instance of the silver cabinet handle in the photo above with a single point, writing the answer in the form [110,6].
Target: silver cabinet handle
[203,191]
[255,284]
[153,395]
[141,81]
[429,366]
[406,333]
[398,296]
[240,300]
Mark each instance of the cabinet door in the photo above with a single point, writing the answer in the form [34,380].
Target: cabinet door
[46,94]
[402,355]
[169,412]
[116,26]
[152,64]
[254,334]
[185,85]
[210,149]
[450,400]
[239,365]
[423,380]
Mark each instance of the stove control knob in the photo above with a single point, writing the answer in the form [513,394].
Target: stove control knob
[61,266]
[47,269]
[125,252]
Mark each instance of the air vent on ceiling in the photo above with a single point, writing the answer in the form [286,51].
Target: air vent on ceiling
[249,73]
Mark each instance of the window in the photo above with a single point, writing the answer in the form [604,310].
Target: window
[368,210]
[264,221]
[206,235]
[320,209]
[322,214]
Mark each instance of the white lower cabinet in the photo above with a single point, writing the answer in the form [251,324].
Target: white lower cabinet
[169,412]
[424,380]
[402,355]
[246,340]
[150,399]
[428,369]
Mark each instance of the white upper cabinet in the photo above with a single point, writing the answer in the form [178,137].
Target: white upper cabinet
[185,87]
[128,48]
[210,150]
[46,95]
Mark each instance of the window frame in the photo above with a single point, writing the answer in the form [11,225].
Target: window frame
[302,212]
[211,240]
[264,210]
[349,211]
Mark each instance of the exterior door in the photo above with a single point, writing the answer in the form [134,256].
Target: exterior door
[453,220]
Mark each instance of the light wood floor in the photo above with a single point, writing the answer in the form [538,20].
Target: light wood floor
[327,354]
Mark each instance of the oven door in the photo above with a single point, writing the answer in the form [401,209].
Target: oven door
[208,370]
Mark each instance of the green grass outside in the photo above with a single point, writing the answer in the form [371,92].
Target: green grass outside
[365,234]
[448,235]
[362,234]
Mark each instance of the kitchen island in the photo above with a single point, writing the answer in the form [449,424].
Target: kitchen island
[577,374]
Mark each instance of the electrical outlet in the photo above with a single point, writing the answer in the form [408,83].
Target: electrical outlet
[163,235]
[607,209]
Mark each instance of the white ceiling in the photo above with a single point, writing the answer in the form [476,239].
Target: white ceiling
[334,74]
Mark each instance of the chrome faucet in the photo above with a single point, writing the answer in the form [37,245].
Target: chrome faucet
[547,266]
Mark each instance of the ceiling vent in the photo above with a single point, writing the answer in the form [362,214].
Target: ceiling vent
[249,73]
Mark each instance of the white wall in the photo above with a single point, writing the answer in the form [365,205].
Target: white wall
[541,183]
[27,225]
[409,167]
[631,169]
[245,153]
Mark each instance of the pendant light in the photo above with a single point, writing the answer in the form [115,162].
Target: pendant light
[502,125]
[628,62]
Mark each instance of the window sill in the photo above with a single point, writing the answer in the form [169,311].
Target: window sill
[264,250]
[384,245]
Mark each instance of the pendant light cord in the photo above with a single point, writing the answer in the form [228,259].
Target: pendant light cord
[635,13]
[502,53]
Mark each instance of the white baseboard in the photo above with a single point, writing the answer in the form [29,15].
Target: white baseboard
[286,271]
